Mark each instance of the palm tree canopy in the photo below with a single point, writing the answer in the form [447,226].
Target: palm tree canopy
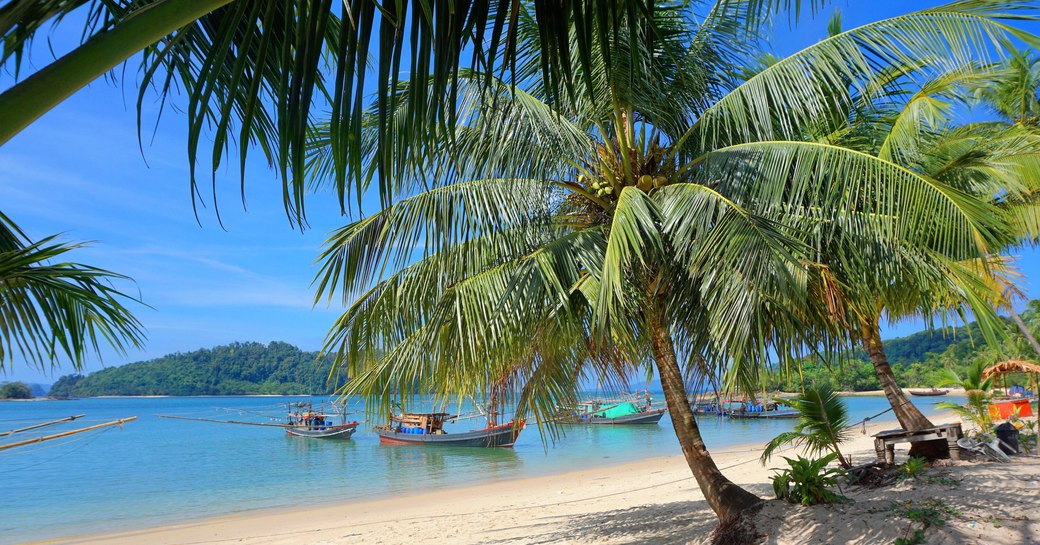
[255,74]
[540,267]
[52,309]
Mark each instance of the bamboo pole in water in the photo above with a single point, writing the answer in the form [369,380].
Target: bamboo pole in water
[67,433]
[51,423]
[224,421]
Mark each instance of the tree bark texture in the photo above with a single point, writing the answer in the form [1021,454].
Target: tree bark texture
[908,415]
[723,496]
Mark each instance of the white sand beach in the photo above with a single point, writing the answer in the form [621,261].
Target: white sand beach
[652,501]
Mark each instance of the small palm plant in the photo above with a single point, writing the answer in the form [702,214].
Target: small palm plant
[978,392]
[823,424]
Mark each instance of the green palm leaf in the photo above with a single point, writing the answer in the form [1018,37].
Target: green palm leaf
[803,89]
[52,309]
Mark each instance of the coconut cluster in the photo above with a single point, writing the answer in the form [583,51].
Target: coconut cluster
[602,188]
[647,182]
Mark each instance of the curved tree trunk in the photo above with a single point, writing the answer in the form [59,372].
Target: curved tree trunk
[908,415]
[910,418]
[725,498]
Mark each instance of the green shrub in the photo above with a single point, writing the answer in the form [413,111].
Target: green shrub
[914,467]
[809,482]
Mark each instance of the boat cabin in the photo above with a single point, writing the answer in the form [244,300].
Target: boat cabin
[419,423]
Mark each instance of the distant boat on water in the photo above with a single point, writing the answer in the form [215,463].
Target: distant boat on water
[931,392]
[428,429]
[626,410]
[303,420]
[306,422]
[743,409]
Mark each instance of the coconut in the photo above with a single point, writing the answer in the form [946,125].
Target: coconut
[660,181]
[646,182]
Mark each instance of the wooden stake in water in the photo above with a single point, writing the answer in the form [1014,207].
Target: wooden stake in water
[51,423]
[67,433]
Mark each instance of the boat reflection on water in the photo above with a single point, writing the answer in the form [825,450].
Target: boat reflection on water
[409,465]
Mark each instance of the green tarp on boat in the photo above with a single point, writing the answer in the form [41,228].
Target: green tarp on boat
[617,411]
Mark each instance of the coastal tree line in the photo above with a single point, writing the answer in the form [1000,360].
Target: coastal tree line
[920,360]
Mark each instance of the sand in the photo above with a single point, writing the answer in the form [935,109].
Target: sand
[654,501]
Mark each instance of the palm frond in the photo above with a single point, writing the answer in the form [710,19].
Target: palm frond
[801,90]
[52,309]
[424,224]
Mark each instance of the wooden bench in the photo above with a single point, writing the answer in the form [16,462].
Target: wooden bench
[885,442]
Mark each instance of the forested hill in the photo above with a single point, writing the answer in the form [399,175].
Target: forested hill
[235,369]
[916,347]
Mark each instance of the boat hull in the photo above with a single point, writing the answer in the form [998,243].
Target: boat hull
[330,432]
[497,436]
[928,393]
[765,415]
[652,416]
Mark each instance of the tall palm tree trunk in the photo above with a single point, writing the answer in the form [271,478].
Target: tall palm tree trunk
[725,498]
[909,416]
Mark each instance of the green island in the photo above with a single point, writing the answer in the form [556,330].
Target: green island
[247,368]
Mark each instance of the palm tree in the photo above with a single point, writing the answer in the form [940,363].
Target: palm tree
[914,128]
[823,424]
[670,220]
[51,309]
[1014,96]
[978,392]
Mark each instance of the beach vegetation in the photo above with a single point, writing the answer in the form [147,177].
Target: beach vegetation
[927,513]
[989,160]
[809,481]
[823,424]
[914,467]
[978,393]
[607,192]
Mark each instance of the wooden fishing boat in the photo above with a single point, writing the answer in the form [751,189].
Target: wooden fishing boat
[765,414]
[428,429]
[744,409]
[928,393]
[626,410]
[303,420]
[306,422]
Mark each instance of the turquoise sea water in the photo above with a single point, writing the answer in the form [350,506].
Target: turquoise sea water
[155,471]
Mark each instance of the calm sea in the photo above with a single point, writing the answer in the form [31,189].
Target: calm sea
[155,471]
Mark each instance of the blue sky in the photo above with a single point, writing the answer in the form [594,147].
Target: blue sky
[79,171]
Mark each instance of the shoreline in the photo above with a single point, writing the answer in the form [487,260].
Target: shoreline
[581,492]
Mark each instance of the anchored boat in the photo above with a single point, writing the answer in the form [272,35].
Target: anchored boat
[306,422]
[928,393]
[627,410]
[428,429]
[302,421]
